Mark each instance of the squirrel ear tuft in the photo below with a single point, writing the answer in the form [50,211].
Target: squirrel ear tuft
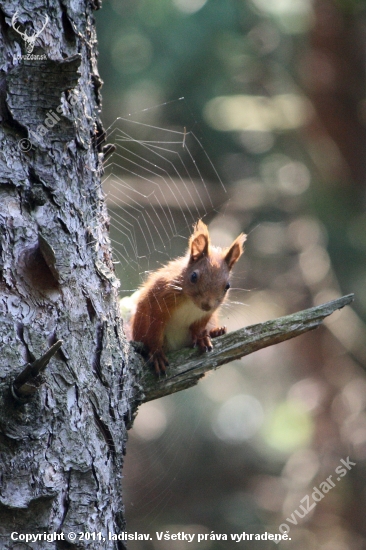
[199,241]
[233,253]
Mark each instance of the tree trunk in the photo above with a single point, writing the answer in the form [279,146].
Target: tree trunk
[61,448]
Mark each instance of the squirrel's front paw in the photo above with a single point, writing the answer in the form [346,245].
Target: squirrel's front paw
[203,341]
[218,331]
[159,360]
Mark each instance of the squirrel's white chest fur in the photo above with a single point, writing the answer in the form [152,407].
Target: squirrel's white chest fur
[177,334]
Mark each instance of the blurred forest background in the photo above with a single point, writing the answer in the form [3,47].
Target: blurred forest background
[276,93]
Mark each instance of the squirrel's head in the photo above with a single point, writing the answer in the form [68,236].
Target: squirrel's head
[207,277]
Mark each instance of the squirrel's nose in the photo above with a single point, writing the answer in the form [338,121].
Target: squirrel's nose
[206,306]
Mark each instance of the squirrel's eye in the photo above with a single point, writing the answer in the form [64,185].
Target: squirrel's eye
[194,277]
[227,287]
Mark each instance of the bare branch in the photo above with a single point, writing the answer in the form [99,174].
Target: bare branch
[187,366]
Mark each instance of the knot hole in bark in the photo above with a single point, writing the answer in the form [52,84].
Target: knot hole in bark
[36,271]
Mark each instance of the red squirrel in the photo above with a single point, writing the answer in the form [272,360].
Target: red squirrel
[177,304]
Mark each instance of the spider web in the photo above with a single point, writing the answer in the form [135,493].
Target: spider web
[158,183]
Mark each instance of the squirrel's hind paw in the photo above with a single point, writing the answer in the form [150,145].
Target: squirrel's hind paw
[159,360]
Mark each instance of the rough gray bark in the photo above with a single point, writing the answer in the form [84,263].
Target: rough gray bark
[61,452]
